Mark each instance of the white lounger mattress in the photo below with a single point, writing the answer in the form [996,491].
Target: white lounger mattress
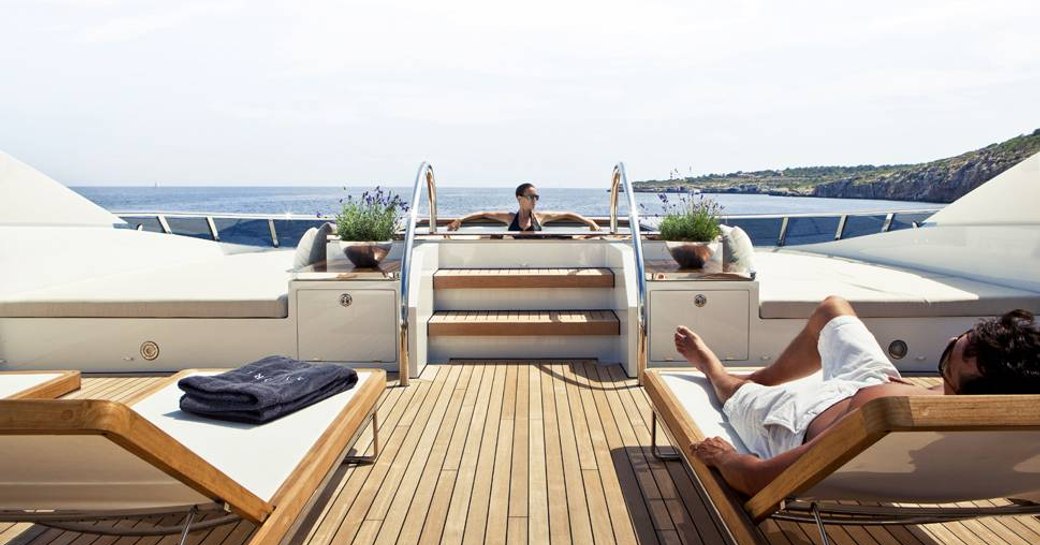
[792,283]
[13,383]
[91,472]
[928,467]
[247,285]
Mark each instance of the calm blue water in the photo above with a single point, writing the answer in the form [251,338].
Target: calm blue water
[451,201]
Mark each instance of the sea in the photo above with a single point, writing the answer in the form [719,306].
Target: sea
[452,201]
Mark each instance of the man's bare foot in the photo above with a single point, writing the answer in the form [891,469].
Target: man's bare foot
[692,347]
[714,451]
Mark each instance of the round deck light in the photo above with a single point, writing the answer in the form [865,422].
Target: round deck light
[897,349]
[149,350]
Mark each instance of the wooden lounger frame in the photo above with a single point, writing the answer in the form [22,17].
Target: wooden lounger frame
[120,424]
[64,383]
[851,436]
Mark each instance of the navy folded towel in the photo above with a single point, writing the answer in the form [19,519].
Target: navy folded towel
[264,390]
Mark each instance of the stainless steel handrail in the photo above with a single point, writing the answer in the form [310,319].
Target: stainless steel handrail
[425,171]
[619,178]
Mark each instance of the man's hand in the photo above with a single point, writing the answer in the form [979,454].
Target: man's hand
[593,226]
[714,451]
[455,224]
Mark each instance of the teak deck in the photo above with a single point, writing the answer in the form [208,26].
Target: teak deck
[517,452]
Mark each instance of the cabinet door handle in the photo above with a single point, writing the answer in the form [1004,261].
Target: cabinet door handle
[700,300]
[345,300]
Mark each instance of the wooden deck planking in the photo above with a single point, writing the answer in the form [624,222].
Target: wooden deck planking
[479,430]
[412,501]
[518,452]
[556,484]
[497,517]
[538,485]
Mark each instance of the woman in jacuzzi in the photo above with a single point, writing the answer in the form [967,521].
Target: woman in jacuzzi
[525,218]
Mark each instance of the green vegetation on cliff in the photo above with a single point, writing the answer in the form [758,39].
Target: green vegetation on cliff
[938,181]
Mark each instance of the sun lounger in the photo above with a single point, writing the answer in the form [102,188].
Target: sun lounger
[147,456]
[926,449]
[37,384]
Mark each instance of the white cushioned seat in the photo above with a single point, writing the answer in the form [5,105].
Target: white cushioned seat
[791,284]
[244,285]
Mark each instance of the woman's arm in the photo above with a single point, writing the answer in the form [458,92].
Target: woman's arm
[504,217]
[546,217]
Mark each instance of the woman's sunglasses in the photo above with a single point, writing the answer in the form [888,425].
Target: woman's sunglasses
[531,197]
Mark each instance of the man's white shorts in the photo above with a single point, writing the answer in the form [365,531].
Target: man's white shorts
[773,419]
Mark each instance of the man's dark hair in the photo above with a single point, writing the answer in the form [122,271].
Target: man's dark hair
[1007,350]
[523,187]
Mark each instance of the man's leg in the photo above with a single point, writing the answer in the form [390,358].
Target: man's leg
[801,358]
[692,347]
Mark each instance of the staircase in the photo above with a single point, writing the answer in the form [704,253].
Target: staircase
[524,313]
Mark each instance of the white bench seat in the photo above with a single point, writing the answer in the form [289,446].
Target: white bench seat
[791,284]
[245,285]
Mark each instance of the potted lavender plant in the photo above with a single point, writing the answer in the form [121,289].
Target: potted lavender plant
[690,229]
[367,226]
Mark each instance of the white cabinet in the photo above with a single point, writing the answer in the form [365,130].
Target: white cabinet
[347,325]
[720,317]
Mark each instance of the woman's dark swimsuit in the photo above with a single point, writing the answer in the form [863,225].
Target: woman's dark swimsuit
[515,226]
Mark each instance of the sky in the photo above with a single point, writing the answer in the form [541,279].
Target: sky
[228,92]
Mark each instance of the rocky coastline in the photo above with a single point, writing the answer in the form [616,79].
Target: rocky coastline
[941,181]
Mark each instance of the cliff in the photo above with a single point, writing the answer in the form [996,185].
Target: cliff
[938,181]
[943,180]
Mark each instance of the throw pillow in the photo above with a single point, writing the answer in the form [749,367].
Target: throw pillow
[311,248]
[737,250]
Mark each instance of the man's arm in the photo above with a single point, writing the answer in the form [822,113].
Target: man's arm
[546,217]
[746,473]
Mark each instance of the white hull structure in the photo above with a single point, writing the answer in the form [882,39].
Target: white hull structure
[569,319]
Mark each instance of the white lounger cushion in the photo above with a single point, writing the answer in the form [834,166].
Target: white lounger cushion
[246,285]
[91,472]
[13,383]
[259,458]
[694,393]
[791,284]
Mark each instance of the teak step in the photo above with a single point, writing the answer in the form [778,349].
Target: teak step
[592,277]
[524,322]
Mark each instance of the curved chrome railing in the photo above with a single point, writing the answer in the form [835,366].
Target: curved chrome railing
[425,172]
[617,179]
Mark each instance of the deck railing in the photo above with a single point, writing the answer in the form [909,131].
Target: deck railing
[285,230]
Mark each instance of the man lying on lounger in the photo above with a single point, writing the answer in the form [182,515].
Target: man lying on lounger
[779,420]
